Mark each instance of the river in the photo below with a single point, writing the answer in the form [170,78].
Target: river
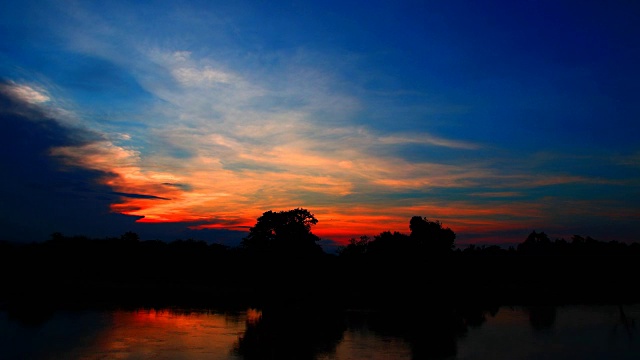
[504,332]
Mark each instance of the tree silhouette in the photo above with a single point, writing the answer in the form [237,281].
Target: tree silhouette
[130,236]
[390,245]
[297,333]
[431,236]
[283,232]
[389,269]
[536,244]
[355,248]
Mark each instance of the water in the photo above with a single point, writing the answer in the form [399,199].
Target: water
[576,331]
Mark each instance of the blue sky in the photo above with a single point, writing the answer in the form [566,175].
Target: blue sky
[186,118]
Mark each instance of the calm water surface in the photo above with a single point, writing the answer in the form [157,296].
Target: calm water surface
[580,332]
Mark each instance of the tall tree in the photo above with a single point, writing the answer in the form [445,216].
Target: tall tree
[283,232]
[431,236]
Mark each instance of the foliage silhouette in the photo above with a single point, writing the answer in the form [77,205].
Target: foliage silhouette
[304,293]
[390,245]
[283,232]
[431,236]
[427,238]
[280,262]
[356,249]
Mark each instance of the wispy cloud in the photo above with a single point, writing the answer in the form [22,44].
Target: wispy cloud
[428,139]
[26,93]
[629,160]
[498,194]
[245,159]
[229,132]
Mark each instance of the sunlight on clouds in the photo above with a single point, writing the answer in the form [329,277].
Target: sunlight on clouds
[472,217]
[272,127]
[461,216]
[210,115]
[539,180]
[123,136]
[345,164]
[399,175]
[498,194]
[191,73]
[25,93]
[103,156]
[427,140]
[122,169]
[201,77]
[242,159]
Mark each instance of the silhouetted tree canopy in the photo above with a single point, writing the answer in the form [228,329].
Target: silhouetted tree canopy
[130,236]
[431,236]
[389,268]
[283,232]
[426,238]
[355,248]
[390,244]
[536,244]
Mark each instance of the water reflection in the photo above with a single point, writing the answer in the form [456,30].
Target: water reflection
[430,333]
[36,336]
[442,332]
[125,334]
[541,317]
[555,332]
[292,333]
[170,334]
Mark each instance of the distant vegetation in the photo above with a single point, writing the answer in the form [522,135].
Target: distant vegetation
[280,262]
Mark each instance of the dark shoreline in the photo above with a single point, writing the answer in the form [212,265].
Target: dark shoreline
[83,272]
[469,285]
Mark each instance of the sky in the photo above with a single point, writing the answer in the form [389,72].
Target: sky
[189,119]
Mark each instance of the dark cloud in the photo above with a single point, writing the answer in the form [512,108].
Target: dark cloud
[40,196]
[185,187]
[139,196]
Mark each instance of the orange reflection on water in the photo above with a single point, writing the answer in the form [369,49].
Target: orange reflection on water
[364,344]
[168,334]
[253,316]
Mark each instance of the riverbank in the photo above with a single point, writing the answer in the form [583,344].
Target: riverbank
[524,281]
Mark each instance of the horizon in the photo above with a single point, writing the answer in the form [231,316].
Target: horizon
[179,119]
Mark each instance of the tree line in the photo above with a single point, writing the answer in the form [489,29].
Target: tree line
[288,233]
[281,261]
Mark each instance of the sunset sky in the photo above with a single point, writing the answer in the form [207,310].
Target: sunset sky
[189,119]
